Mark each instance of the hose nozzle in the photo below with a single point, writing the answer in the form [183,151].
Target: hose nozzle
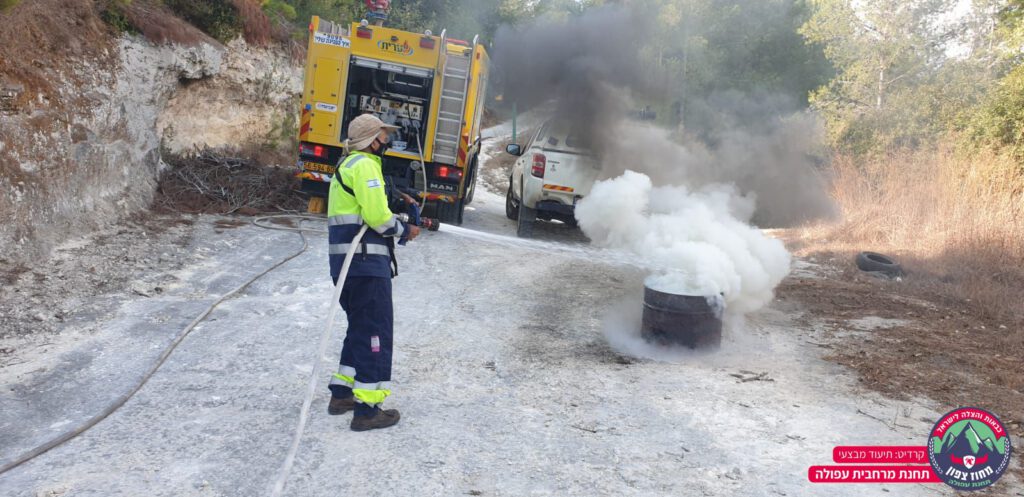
[426,223]
[430,224]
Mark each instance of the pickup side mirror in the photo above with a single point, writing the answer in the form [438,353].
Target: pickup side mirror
[514,149]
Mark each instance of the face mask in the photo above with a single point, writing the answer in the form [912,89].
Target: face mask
[381,148]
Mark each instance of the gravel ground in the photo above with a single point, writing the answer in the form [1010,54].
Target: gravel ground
[77,283]
[506,383]
[503,373]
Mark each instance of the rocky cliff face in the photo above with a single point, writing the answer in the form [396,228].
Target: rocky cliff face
[253,98]
[89,153]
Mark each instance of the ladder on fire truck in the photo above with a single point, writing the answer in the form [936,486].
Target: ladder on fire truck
[452,109]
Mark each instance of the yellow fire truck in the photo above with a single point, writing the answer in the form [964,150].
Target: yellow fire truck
[432,86]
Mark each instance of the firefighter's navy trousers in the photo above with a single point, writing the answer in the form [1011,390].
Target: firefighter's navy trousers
[366,353]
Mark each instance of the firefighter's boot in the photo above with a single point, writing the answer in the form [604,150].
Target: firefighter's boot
[341,405]
[378,418]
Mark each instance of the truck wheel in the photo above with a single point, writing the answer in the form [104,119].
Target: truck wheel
[524,228]
[471,183]
[451,213]
[511,208]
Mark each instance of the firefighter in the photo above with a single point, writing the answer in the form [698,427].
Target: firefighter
[357,195]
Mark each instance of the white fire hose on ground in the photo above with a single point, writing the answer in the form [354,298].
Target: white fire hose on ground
[286,467]
[314,378]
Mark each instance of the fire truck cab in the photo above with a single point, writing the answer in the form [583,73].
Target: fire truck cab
[431,86]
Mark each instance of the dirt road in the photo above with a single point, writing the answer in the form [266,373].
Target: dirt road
[503,374]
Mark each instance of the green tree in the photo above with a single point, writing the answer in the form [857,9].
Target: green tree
[1000,122]
[334,10]
[461,18]
[705,52]
[1011,27]
[280,9]
[899,80]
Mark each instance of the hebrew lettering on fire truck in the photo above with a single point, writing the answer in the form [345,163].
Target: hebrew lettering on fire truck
[431,86]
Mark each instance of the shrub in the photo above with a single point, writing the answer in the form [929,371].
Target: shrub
[216,18]
[1001,120]
[7,4]
[114,14]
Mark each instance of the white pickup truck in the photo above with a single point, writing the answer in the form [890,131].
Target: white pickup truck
[554,171]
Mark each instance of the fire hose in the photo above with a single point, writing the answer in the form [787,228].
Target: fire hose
[120,401]
[314,378]
[411,217]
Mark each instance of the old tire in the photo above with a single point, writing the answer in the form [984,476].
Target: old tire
[874,262]
[511,208]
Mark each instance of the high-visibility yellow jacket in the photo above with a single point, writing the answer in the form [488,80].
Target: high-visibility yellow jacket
[357,196]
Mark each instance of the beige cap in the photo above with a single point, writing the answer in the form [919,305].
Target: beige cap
[363,129]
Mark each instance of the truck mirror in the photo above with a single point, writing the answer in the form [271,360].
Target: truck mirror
[514,149]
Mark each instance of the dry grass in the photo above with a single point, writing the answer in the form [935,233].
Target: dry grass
[159,25]
[261,30]
[41,36]
[955,221]
[256,26]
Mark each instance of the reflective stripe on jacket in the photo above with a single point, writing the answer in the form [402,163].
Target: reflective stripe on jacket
[361,172]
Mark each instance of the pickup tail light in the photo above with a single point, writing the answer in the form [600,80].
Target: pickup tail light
[539,164]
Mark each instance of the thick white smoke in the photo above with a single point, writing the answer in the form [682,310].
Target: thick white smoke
[680,199]
[700,239]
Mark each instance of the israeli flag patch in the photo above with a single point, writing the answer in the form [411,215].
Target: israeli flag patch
[373,183]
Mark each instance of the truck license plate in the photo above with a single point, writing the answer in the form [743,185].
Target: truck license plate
[319,168]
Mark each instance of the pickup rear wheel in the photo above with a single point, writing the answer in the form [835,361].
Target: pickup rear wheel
[511,208]
[524,228]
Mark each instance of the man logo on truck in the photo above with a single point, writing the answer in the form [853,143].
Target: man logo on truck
[402,49]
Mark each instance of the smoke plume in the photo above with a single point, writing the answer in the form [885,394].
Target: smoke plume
[700,238]
[579,68]
[684,200]
[588,70]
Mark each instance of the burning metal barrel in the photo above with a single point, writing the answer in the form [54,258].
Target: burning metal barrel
[673,319]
